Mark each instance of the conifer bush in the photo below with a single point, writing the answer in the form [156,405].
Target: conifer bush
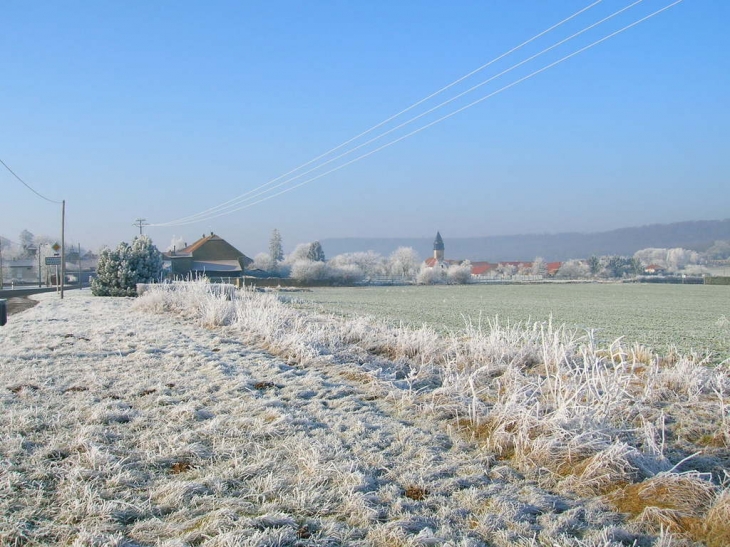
[119,270]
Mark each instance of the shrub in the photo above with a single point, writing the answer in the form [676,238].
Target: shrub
[430,276]
[119,270]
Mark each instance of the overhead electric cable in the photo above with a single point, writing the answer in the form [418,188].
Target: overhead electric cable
[27,185]
[417,103]
[439,120]
[251,195]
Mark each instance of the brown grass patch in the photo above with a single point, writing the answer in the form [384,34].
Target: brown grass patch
[147,392]
[485,432]
[677,503]
[357,376]
[263,385]
[716,529]
[181,467]
[20,387]
[417,493]
[77,389]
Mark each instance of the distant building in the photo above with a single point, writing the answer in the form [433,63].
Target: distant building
[654,269]
[486,270]
[210,256]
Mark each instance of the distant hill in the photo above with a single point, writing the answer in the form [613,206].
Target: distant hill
[695,235]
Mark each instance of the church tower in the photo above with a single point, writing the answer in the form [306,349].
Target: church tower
[438,247]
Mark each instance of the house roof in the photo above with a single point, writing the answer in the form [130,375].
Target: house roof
[210,248]
[480,268]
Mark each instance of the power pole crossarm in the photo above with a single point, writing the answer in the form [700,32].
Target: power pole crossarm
[140,223]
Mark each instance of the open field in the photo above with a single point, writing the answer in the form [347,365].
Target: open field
[185,418]
[692,318]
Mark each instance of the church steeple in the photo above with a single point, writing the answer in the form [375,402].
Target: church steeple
[438,247]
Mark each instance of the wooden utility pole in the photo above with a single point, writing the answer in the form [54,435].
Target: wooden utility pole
[63,245]
[140,223]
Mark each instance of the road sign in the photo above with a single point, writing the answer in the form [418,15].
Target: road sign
[53,261]
[55,247]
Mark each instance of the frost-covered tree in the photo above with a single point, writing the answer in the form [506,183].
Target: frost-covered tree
[594,265]
[119,270]
[264,262]
[276,251]
[621,266]
[539,266]
[720,250]
[369,263]
[459,274]
[431,276]
[300,252]
[573,269]
[316,253]
[176,243]
[26,238]
[678,259]
[404,261]
[346,274]
[506,270]
[672,259]
[309,270]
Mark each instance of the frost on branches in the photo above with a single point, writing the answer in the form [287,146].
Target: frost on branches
[119,270]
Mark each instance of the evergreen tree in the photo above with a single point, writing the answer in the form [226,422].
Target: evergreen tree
[316,253]
[276,252]
[594,265]
[119,270]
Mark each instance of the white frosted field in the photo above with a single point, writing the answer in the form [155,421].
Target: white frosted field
[184,418]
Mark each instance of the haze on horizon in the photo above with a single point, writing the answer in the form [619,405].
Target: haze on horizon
[161,111]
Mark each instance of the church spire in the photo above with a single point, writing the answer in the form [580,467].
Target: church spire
[438,247]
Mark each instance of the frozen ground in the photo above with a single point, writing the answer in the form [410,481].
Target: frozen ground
[124,427]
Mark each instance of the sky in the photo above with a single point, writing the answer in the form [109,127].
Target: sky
[163,110]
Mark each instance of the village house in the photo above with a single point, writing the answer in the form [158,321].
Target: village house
[211,256]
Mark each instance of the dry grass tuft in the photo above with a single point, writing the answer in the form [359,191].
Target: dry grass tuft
[679,503]
[716,529]
[261,386]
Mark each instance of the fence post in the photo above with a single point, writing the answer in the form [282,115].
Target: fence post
[3,311]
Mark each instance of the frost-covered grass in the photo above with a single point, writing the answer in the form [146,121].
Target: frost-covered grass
[158,422]
[691,318]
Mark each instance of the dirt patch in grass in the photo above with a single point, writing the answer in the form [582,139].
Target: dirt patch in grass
[18,304]
[417,493]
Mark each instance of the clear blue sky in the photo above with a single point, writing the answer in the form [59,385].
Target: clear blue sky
[163,109]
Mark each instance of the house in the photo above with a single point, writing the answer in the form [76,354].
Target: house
[653,269]
[210,256]
[24,270]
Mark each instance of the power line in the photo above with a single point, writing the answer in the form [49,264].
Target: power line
[253,194]
[443,118]
[27,185]
[412,106]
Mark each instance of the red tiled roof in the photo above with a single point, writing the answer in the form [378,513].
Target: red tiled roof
[430,262]
[479,268]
